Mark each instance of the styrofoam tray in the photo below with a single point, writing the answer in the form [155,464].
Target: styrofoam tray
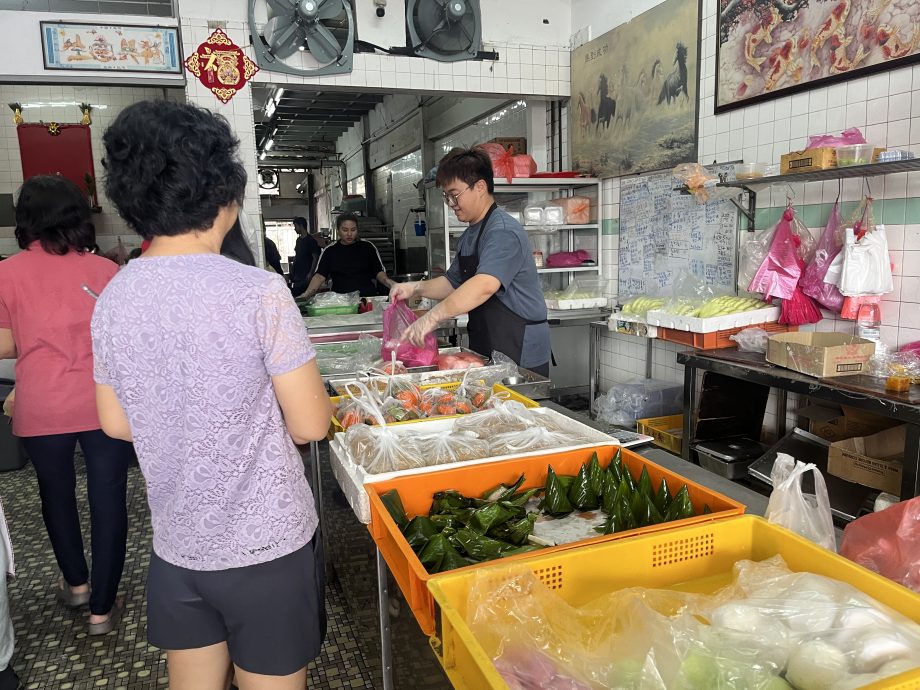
[352,477]
[567,304]
[714,323]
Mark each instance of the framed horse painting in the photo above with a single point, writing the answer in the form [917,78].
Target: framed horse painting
[771,48]
[635,94]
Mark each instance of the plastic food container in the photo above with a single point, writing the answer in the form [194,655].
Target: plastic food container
[749,171]
[857,154]
[553,215]
[533,215]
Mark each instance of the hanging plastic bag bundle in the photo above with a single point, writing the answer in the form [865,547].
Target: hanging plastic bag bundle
[780,270]
[813,280]
[396,319]
[790,507]
[866,264]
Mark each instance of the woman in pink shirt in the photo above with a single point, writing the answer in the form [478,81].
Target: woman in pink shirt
[45,312]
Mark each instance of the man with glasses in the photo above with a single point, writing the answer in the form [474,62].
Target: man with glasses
[493,277]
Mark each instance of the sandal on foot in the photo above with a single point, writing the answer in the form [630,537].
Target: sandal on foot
[109,624]
[69,598]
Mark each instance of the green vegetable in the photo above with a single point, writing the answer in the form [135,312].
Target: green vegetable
[394,506]
[555,499]
[419,530]
[581,494]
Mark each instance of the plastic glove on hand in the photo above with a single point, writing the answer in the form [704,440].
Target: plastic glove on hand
[403,291]
[415,334]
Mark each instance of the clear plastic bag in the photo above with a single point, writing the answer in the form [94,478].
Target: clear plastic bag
[509,368]
[751,340]
[346,358]
[457,446]
[887,542]
[335,299]
[770,629]
[790,507]
[396,319]
[626,402]
[752,254]
[501,417]
[377,449]
[533,438]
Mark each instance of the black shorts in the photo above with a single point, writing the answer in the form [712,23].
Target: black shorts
[271,615]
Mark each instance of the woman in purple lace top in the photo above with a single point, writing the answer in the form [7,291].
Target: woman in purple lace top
[205,364]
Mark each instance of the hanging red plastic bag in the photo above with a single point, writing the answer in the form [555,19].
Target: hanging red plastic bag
[396,319]
[829,246]
[887,542]
[780,271]
[506,164]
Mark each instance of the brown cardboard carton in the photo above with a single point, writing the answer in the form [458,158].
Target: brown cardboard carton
[839,422]
[820,354]
[875,461]
[808,160]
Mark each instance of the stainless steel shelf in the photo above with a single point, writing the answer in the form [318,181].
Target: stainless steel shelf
[870,170]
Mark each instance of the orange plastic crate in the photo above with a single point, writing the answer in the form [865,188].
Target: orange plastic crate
[718,339]
[416,493]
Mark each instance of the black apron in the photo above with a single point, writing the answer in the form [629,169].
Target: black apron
[493,326]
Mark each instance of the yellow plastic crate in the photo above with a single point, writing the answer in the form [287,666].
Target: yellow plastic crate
[698,558]
[667,431]
[497,389]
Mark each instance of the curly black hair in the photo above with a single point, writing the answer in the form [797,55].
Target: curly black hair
[54,211]
[171,167]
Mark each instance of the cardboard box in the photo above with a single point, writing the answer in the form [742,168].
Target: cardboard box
[820,354]
[808,160]
[519,143]
[875,461]
[839,422]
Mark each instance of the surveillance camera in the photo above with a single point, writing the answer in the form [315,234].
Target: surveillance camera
[381,11]
[381,7]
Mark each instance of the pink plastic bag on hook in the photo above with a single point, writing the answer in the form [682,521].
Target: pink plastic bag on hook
[812,282]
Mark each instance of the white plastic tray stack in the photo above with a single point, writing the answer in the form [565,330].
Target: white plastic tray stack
[695,324]
[568,304]
[352,477]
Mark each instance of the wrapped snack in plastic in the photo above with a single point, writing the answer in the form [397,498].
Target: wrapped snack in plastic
[438,402]
[533,438]
[378,449]
[335,299]
[388,368]
[443,449]
[502,416]
[398,411]
[404,389]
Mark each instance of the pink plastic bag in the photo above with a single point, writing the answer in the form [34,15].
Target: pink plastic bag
[847,138]
[568,259]
[812,282]
[780,271]
[887,542]
[397,318]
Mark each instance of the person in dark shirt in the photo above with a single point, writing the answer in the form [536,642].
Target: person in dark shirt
[306,254]
[352,264]
[272,255]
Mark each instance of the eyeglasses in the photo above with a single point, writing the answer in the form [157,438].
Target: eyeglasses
[454,199]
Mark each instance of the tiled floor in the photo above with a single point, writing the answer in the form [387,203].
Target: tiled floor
[54,652]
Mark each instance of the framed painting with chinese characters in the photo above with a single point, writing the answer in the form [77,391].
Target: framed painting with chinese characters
[771,48]
[635,93]
[101,47]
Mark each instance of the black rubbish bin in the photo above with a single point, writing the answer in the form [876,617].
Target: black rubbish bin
[12,454]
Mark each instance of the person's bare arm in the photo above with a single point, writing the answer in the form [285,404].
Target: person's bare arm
[382,278]
[436,289]
[316,282]
[471,294]
[304,403]
[7,344]
[112,415]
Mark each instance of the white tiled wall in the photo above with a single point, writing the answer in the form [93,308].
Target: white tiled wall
[60,105]
[885,106]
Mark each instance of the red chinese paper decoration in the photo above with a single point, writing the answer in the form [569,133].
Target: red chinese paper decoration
[221,66]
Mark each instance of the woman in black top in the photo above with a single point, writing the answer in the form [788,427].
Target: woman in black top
[352,264]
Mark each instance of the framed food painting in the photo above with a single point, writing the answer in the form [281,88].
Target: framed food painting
[635,93]
[123,48]
[771,48]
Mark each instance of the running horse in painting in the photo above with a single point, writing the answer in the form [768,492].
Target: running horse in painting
[676,82]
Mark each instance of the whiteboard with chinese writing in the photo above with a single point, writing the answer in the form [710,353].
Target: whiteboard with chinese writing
[664,234]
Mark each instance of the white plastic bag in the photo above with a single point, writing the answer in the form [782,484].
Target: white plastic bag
[751,340]
[790,507]
[866,264]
